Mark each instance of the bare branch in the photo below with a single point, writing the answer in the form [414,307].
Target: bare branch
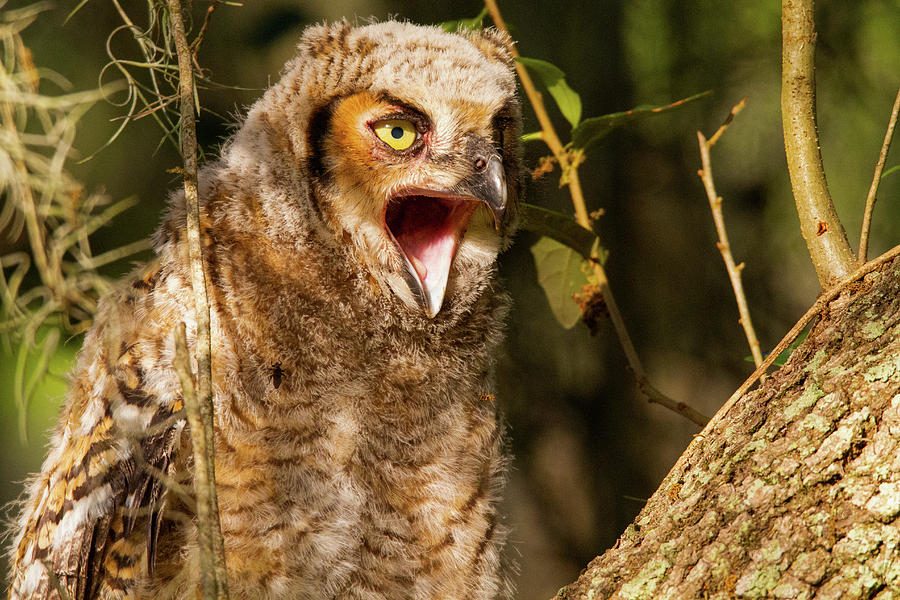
[207,521]
[215,584]
[657,397]
[715,205]
[825,237]
[876,179]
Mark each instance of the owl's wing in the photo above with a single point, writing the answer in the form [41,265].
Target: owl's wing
[91,520]
[82,531]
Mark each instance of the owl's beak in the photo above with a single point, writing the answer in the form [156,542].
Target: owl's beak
[488,185]
[427,224]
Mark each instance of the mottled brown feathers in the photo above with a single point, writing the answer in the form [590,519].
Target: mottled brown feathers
[357,452]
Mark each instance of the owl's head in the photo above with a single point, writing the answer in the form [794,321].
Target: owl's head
[407,140]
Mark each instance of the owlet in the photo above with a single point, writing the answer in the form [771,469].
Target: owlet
[350,232]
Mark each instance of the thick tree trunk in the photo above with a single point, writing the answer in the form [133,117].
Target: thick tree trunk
[795,493]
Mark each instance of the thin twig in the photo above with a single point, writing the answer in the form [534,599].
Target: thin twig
[876,179]
[715,205]
[202,485]
[568,163]
[215,583]
[822,230]
[150,51]
[198,40]
[731,115]
[657,397]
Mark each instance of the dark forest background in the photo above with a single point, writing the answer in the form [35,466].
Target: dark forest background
[588,449]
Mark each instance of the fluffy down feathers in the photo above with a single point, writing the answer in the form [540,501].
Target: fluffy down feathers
[357,453]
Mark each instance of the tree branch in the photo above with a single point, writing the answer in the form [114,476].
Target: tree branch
[825,237]
[214,576]
[715,205]
[876,179]
[568,163]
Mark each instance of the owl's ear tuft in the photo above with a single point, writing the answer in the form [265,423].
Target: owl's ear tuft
[325,38]
[495,44]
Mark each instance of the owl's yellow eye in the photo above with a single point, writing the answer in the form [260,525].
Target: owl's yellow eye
[399,134]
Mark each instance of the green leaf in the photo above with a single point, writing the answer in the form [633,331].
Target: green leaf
[568,101]
[559,273]
[465,24]
[595,128]
[557,226]
[894,169]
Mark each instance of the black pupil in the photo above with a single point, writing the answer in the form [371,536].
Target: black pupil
[397,132]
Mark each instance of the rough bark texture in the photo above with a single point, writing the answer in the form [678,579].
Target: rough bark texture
[796,492]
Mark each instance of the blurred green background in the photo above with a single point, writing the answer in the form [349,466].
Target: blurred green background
[588,450]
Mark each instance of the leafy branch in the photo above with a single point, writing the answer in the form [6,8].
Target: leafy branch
[569,157]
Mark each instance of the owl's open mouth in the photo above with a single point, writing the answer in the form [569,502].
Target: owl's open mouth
[427,230]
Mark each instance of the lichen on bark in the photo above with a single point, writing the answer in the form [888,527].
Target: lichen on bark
[795,493]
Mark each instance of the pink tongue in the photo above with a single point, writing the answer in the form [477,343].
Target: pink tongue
[427,230]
